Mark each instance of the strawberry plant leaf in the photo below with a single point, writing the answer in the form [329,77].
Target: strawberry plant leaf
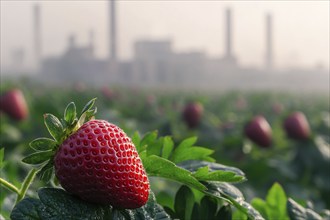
[224,213]
[148,139]
[184,202]
[297,212]
[46,171]
[156,147]
[70,113]
[194,165]
[38,157]
[229,192]
[58,204]
[203,174]
[157,166]
[276,203]
[186,151]
[2,155]
[151,210]
[42,144]
[54,126]
[260,205]
[27,209]
[136,141]
[88,106]
[167,147]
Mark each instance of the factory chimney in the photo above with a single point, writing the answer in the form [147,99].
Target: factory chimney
[37,35]
[269,42]
[112,31]
[228,31]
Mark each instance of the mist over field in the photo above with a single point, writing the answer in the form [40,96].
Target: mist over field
[212,46]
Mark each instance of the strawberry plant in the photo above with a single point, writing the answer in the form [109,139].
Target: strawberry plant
[100,173]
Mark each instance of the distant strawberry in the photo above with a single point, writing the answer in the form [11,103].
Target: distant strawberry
[192,114]
[14,104]
[107,93]
[259,131]
[96,161]
[296,126]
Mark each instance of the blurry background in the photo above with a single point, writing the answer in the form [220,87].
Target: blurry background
[194,44]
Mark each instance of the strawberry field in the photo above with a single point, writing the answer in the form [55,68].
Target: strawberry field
[204,155]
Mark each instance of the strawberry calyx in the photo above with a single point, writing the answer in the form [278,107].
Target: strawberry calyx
[59,129]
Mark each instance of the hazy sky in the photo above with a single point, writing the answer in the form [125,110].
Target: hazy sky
[301,28]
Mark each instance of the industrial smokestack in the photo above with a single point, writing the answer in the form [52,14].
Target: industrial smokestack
[269,42]
[228,31]
[37,34]
[112,33]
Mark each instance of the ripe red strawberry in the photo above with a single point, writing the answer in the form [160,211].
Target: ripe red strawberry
[14,104]
[192,114]
[259,131]
[97,162]
[296,126]
[100,164]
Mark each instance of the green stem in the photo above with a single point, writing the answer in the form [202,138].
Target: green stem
[26,183]
[9,186]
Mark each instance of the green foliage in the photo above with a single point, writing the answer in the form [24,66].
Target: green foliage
[186,151]
[42,144]
[184,203]
[234,196]
[2,155]
[54,127]
[203,174]
[70,113]
[56,204]
[160,167]
[275,205]
[297,212]
[186,206]
[38,157]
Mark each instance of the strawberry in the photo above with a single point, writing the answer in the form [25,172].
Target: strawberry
[259,131]
[14,104]
[192,114]
[296,126]
[97,162]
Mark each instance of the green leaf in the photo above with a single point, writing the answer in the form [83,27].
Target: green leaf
[184,202]
[276,203]
[167,147]
[90,114]
[186,151]
[224,213]
[27,209]
[148,139]
[151,210]
[46,171]
[136,140]
[194,165]
[60,205]
[238,215]
[229,192]
[70,113]
[260,205]
[208,208]
[38,158]
[54,126]
[42,144]
[203,174]
[297,212]
[88,106]
[2,155]
[157,166]
[156,147]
